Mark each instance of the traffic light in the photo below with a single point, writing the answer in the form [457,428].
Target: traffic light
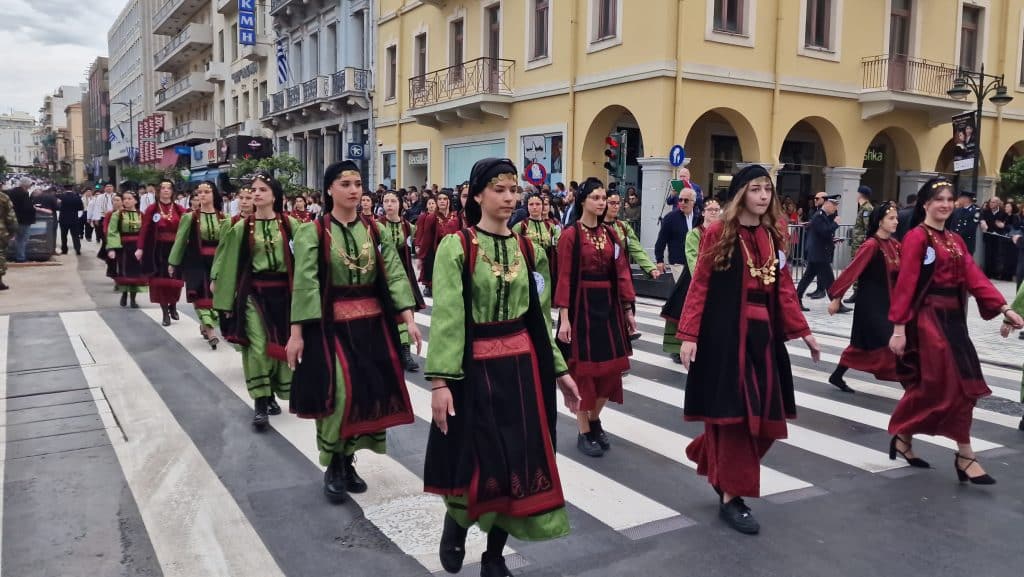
[615,155]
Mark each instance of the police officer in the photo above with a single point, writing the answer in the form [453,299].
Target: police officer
[820,248]
[8,226]
[860,227]
[966,218]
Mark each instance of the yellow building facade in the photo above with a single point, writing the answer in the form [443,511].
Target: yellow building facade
[831,94]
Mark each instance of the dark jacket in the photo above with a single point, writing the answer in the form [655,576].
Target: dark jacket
[965,223]
[70,206]
[905,215]
[673,235]
[820,231]
[23,207]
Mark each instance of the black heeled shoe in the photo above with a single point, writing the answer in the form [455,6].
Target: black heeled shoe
[964,477]
[124,299]
[453,545]
[912,461]
[838,382]
[173,310]
[166,321]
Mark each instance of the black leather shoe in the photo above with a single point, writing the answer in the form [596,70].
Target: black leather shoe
[4,287]
[588,446]
[676,358]
[260,419]
[334,484]
[453,545]
[817,295]
[273,408]
[599,435]
[410,363]
[427,292]
[843,309]
[353,482]
[174,312]
[493,566]
[803,307]
[983,479]
[167,316]
[1021,425]
[131,298]
[839,383]
[124,299]
[738,516]
[852,299]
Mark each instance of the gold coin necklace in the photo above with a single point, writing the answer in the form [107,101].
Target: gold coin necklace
[507,273]
[766,272]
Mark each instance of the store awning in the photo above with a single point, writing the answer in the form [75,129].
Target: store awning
[204,174]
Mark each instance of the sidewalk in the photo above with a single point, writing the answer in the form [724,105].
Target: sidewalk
[53,286]
[992,348]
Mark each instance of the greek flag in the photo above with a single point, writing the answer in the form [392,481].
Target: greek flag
[111,137]
[282,62]
[121,130]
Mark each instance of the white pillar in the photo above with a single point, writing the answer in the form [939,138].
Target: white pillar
[311,143]
[986,188]
[911,182]
[328,147]
[657,174]
[844,181]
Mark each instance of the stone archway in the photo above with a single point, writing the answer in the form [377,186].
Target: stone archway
[811,145]
[718,140]
[612,119]
[891,152]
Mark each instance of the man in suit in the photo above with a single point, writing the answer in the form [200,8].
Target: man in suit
[906,215]
[673,231]
[820,249]
[70,208]
[568,215]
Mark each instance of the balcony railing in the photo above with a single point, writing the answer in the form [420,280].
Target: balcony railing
[276,5]
[294,96]
[173,45]
[193,129]
[309,90]
[166,9]
[278,99]
[350,80]
[193,81]
[904,74]
[480,76]
[266,108]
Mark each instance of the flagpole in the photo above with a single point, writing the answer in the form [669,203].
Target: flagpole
[131,127]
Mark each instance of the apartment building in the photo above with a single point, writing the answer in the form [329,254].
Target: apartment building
[51,134]
[828,93]
[16,143]
[74,143]
[132,77]
[322,112]
[96,113]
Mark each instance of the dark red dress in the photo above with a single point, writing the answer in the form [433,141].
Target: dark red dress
[434,228]
[741,383]
[159,230]
[943,378]
[874,268]
[301,215]
[595,284]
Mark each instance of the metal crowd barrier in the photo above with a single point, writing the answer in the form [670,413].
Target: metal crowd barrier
[796,251]
[42,240]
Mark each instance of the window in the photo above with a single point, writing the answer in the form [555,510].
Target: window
[607,14]
[391,70]
[234,107]
[296,64]
[314,55]
[817,29]
[970,36]
[234,42]
[220,45]
[456,38]
[244,110]
[331,63]
[539,38]
[223,113]
[492,31]
[420,56]
[900,21]
[729,16]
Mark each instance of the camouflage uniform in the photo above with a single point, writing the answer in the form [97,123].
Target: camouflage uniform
[8,226]
[860,225]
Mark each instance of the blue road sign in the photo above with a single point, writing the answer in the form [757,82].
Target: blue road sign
[676,155]
[356,151]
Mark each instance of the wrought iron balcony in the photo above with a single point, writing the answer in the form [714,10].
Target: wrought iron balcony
[184,47]
[278,101]
[293,95]
[350,81]
[463,91]
[278,5]
[892,81]
[265,104]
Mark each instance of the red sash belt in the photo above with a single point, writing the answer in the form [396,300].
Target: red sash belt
[349,309]
[207,250]
[166,236]
[129,238]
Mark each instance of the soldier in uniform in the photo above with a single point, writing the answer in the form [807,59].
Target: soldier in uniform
[8,226]
[966,218]
[860,227]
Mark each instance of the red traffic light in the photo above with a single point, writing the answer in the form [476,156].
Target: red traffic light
[611,141]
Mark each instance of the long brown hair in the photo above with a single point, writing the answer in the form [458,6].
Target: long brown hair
[772,220]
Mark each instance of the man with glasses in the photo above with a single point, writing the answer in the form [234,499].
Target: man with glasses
[672,233]
[820,248]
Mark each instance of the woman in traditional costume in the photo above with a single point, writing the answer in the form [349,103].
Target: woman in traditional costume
[436,226]
[101,235]
[351,290]
[627,236]
[122,228]
[366,205]
[491,447]
[541,233]
[299,211]
[673,307]
[253,291]
[740,310]
[594,296]
[400,233]
[874,269]
[194,249]
[928,313]
[159,230]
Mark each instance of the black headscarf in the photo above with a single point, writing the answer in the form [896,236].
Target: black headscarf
[877,215]
[741,178]
[331,173]
[218,201]
[275,187]
[926,193]
[479,178]
[586,187]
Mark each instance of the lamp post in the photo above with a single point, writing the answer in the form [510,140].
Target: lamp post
[981,85]
[131,128]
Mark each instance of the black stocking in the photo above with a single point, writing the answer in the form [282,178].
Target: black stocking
[496,540]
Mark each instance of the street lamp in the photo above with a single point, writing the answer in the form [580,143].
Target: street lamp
[131,127]
[981,85]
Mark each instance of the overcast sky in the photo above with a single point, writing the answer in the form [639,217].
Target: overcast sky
[48,43]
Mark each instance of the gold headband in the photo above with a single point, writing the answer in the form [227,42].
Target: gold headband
[346,173]
[504,176]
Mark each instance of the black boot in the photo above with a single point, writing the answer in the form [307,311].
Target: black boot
[738,516]
[124,299]
[334,484]
[167,315]
[599,435]
[273,408]
[260,419]
[353,482]
[492,563]
[836,379]
[4,287]
[1021,425]
[408,361]
[174,312]
[131,298]
[453,545]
